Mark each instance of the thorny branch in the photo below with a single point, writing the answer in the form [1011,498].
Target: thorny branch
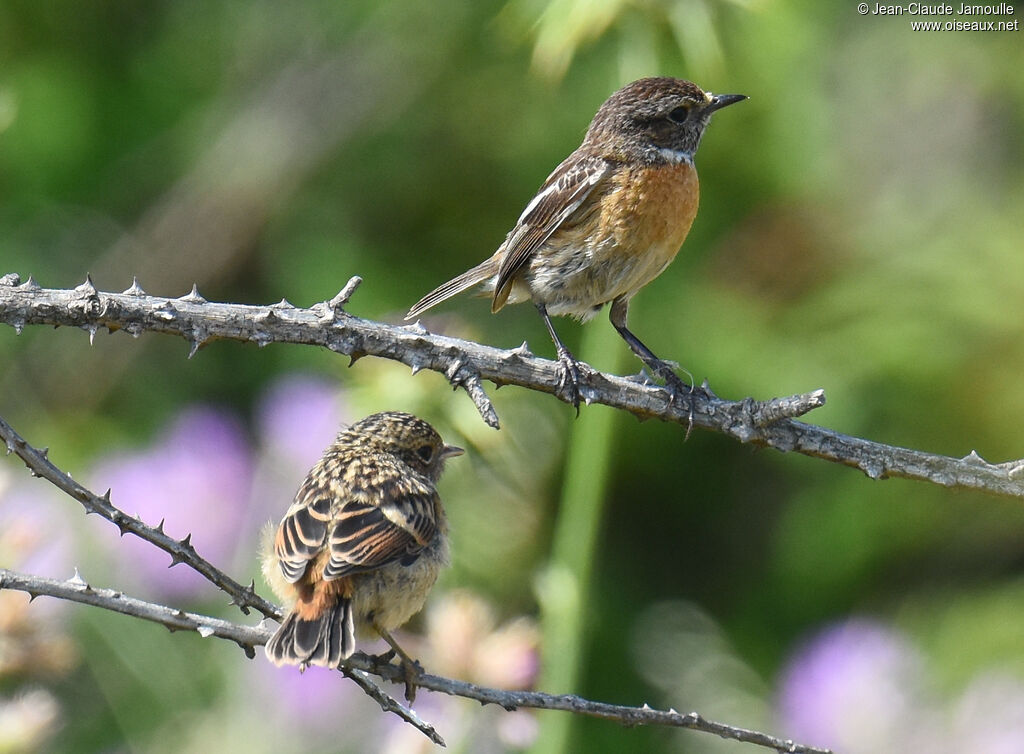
[180,550]
[249,637]
[466,364]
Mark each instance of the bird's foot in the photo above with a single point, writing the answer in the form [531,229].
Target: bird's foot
[573,374]
[677,388]
[412,670]
[384,658]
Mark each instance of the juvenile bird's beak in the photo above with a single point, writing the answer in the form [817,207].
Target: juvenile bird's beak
[450,451]
[718,101]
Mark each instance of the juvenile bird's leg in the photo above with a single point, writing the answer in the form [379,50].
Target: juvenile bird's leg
[676,386]
[571,368]
[410,667]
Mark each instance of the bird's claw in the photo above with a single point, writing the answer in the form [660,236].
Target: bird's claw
[676,387]
[572,377]
[384,658]
[412,672]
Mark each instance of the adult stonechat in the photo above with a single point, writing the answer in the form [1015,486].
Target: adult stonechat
[607,221]
[362,544]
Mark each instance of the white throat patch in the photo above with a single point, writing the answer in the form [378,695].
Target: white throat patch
[676,156]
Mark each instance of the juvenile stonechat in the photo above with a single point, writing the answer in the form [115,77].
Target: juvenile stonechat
[607,221]
[362,543]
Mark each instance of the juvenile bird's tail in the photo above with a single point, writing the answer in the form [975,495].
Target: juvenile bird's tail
[325,639]
[483,271]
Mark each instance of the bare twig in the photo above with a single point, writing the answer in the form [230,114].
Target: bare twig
[465,364]
[249,637]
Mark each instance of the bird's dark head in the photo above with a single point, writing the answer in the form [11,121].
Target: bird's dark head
[408,437]
[655,119]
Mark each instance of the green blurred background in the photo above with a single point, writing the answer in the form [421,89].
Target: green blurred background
[860,230]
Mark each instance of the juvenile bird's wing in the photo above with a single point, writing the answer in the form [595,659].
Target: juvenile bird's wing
[374,512]
[303,529]
[391,515]
[562,194]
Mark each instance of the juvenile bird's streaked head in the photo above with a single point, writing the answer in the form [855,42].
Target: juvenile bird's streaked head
[408,437]
[657,119]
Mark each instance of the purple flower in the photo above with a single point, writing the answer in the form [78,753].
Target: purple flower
[36,528]
[297,418]
[852,687]
[195,477]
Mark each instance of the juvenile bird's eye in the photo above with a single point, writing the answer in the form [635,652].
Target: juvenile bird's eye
[678,115]
[425,452]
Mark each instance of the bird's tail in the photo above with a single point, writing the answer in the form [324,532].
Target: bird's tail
[325,639]
[486,269]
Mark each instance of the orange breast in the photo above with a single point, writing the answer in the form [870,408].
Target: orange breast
[617,245]
[645,219]
[651,208]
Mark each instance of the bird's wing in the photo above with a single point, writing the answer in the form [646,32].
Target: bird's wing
[391,517]
[553,206]
[373,512]
[302,532]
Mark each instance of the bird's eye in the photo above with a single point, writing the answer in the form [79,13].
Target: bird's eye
[426,453]
[678,115]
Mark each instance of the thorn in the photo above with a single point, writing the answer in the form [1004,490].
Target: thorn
[247,595]
[416,327]
[523,350]
[134,289]
[284,304]
[186,542]
[106,496]
[249,649]
[30,285]
[975,459]
[268,316]
[355,356]
[180,614]
[91,329]
[78,582]
[193,347]
[160,526]
[87,288]
[122,522]
[193,296]
[416,369]
[45,453]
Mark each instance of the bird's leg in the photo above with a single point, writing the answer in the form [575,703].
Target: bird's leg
[571,368]
[676,386]
[410,667]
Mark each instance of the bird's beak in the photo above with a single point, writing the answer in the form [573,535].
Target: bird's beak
[450,451]
[718,101]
